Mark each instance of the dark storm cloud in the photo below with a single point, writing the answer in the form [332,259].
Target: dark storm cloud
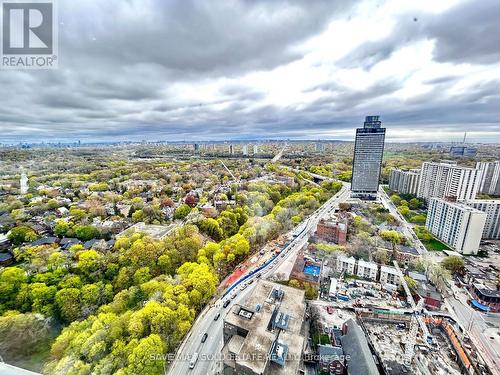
[137,70]
[467,33]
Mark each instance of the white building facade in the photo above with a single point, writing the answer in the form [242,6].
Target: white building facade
[367,270]
[491,207]
[404,181]
[456,224]
[389,275]
[346,265]
[490,177]
[448,180]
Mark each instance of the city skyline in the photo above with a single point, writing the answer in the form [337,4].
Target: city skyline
[306,72]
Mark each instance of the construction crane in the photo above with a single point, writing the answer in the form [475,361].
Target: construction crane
[416,321]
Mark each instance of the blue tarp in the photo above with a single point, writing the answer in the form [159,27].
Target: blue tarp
[480,306]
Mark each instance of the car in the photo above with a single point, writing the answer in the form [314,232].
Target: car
[251,281]
[217,316]
[226,302]
[233,296]
[258,275]
[194,358]
[204,337]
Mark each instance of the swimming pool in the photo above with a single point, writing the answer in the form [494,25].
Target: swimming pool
[312,270]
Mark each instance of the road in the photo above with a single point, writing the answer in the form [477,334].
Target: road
[206,322]
[407,228]
[482,328]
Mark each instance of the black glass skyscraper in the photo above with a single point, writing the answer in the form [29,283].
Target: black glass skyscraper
[368,153]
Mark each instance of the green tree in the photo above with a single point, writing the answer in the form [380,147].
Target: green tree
[12,280]
[89,262]
[412,285]
[62,227]
[454,264]
[182,211]
[140,360]
[414,204]
[21,234]
[68,304]
[86,232]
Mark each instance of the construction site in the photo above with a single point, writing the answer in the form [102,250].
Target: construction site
[402,338]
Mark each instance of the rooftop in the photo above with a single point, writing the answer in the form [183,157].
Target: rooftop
[355,344]
[273,316]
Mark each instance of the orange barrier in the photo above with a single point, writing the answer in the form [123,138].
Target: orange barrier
[452,336]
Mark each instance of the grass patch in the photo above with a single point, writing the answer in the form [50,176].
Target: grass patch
[324,339]
[435,245]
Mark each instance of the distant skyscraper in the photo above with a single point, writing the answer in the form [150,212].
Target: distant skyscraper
[245,150]
[490,178]
[319,147]
[463,151]
[368,153]
[231,149]
[23,183]
[255,149]
[196,147]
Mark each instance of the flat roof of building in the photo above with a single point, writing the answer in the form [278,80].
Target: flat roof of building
[272,323]
[390,270]
[365,264]
[459,205]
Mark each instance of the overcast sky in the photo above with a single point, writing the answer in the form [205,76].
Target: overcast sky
[200,70]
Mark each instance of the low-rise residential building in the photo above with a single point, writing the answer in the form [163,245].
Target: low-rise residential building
[404,181]
[263,337]
[346,265]
[491,207]
[332,231]
[331,359]
[367,270]
[389,275]
[486,298]
[405,254]
[456,224]
[431,296]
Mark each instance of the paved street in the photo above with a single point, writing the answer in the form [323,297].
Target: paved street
[483,327]
[407,228]
[205,323]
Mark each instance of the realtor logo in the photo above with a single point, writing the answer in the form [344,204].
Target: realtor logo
[29,35]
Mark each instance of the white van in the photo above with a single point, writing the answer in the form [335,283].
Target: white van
[194,358]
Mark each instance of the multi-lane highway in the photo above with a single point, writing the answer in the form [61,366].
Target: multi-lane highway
[211,319]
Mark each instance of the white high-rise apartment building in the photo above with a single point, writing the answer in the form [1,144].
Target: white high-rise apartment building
[490,179]
[491,207]
[456,224]
[404,181]
[448,180]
